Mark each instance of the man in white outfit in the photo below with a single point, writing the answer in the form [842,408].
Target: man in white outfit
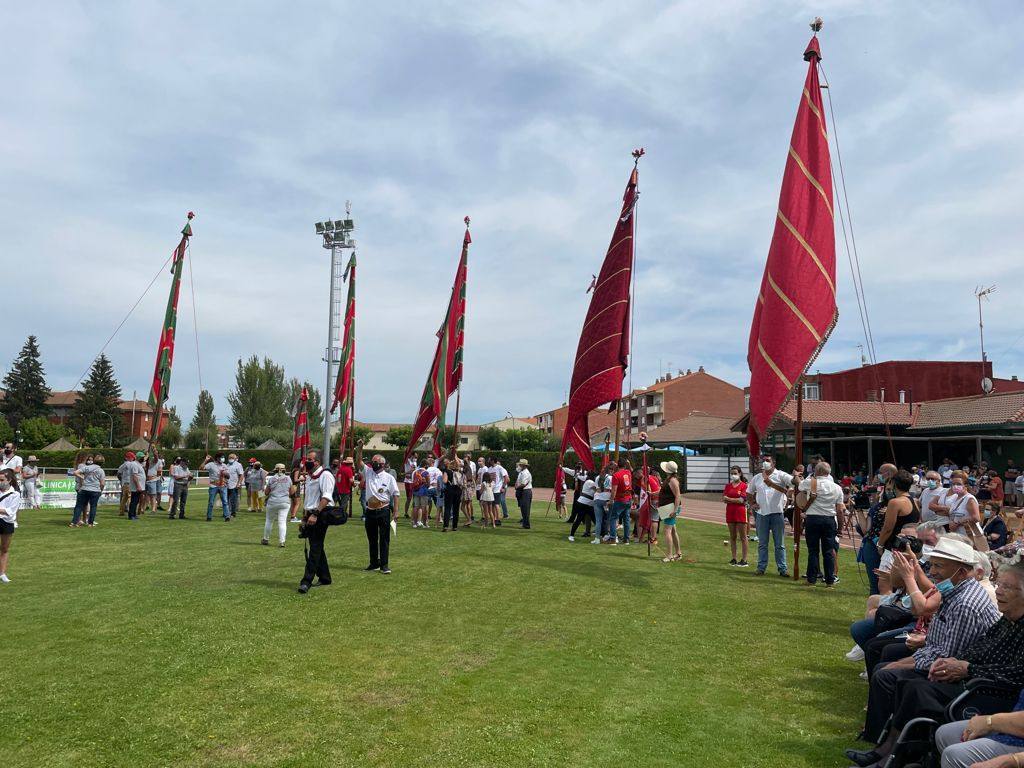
[277,503]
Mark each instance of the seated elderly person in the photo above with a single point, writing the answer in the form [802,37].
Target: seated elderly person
[983,573]
[964,615]
[997,655]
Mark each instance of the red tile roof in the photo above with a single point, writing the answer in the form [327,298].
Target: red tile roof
[853,412]
[1002,408]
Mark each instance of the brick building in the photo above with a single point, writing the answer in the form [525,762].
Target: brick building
[668,399]
[137,415]
[906,381]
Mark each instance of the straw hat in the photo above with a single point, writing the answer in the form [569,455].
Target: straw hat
[279,467]
[669,467]
[952,549]
[348,460]
[523,462]
[32,458]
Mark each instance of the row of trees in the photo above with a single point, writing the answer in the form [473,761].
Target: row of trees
[262,404]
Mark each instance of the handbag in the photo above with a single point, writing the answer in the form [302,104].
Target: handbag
[888,617]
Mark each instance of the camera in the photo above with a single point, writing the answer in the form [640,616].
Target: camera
[908,544]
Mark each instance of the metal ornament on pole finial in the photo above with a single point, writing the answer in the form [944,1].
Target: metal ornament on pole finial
[817,24]
[637,154]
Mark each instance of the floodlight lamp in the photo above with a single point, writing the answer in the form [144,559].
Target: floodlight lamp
[319,227]
[349,225]
[339,225]
[329,225]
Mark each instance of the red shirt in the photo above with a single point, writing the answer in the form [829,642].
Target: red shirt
[343,479]
[623,482]
[736,491]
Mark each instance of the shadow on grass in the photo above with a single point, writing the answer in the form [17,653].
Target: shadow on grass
[624,576]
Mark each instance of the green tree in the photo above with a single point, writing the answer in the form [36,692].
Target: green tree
[6,430]
[399,435]
[97,437]
[202,432]
[491,438]
[171,436]
[524,439]
[25,390]
[98,402]
[359,432]
[259,396]
[38,432]
[259,435]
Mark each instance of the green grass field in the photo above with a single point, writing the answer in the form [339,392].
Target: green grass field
[184,643]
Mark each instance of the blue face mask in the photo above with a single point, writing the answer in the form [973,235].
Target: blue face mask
[946,586]
[906,602]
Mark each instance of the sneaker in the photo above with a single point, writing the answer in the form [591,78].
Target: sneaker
[863,675]
[753,538]
[372,568]
[626,542]
[733,562]
[281,544]
[295,520]
[759,572]
[784,574]
[572,538]
[4,578]
[834,581]
[742,564]
[385,570]
[615,542]
[265,542]
[855,654]
[596,541]
[303,589]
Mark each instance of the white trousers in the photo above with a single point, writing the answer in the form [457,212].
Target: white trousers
[30,494]
[277,509]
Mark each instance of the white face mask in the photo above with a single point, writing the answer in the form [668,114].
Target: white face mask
[766,465]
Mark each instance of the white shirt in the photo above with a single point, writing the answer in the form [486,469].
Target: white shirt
[153,470]
[137,476]
[10,503]
[381,485]
[29,474]
[410,467]
[928,495]
[435,476]
[235,474]
[216,471]
[589,492]
[500,478]
[180,472]
[319,485]
[278,486]
[828,495]
[14,462]
[603,491]
[482,468]
[769,500]
[524,480]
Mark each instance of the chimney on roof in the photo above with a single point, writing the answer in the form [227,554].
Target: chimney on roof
[903,396]
[700,369]
[688,371]
[1014,377]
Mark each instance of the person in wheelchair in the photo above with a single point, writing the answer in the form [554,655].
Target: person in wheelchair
[986,676]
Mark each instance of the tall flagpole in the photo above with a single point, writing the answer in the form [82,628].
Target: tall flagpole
[336,238]
[799,450]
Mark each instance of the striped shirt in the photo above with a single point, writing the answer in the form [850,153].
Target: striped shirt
[964,616]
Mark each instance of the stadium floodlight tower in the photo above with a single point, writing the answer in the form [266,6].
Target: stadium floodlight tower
[337,237]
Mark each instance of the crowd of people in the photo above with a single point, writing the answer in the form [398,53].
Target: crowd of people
[941,639]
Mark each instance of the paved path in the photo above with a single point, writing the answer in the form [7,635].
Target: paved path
[693,509]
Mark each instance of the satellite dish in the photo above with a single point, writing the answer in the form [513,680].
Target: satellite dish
[986,385]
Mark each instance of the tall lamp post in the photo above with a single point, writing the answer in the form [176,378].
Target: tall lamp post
[337,237]
[513,430]
[104,413]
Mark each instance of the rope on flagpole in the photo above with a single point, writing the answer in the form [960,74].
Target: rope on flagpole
[123,321]
[195,332]
[853,256]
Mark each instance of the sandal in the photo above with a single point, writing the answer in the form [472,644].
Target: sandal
[667,559]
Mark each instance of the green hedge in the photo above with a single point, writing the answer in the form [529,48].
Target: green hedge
[542,463]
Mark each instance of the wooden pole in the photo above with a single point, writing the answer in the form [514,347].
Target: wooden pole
[797,522]
[458,402]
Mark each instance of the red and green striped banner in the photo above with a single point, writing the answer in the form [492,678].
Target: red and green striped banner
[344,387]
[446,370]
[300,435]
[160,390]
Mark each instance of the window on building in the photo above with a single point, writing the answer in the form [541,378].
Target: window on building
[633,421]
[746,402]
[812,390]
[145,433]
[146,419]
[463,440]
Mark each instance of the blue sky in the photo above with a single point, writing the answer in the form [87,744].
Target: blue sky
[118,118]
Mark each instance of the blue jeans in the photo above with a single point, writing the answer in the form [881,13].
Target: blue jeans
[864,630]
[222,492]
[868,555]
[501,500]
[599,517]
[86,500]
[774,524]
[620,513]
